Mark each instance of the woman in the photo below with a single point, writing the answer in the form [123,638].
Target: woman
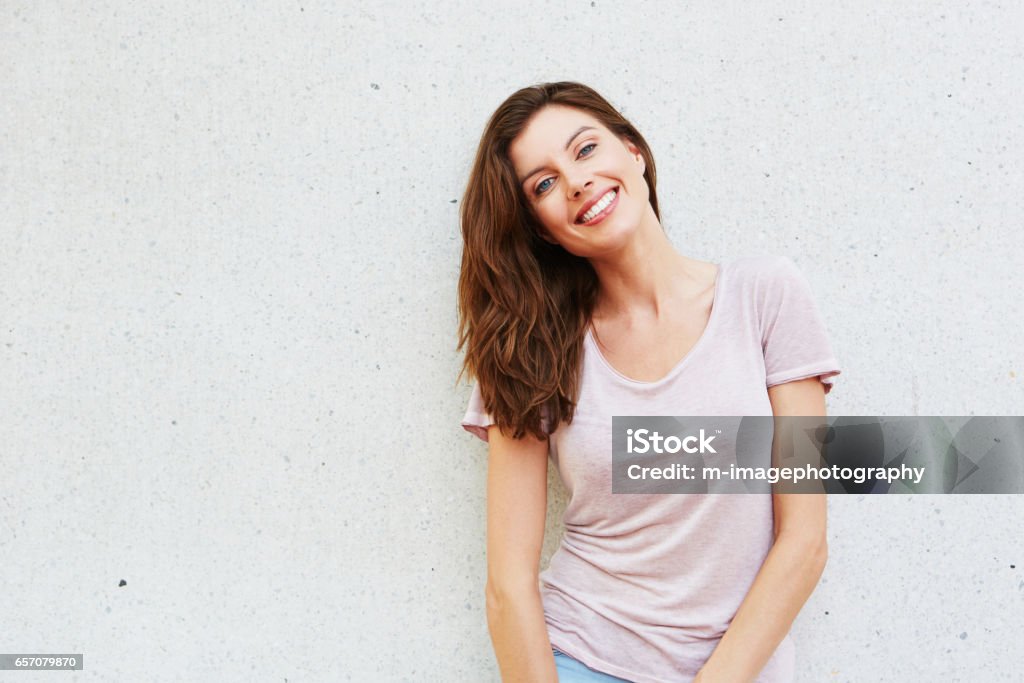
[574,306]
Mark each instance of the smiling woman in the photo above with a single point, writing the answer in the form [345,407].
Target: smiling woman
[596,178]
[574,307]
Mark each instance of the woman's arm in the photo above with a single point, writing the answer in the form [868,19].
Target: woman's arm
[790,571]
[516,508]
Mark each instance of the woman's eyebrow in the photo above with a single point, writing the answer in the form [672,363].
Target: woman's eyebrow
[567,144]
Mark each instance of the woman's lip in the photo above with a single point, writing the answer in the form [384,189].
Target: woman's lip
[607,210]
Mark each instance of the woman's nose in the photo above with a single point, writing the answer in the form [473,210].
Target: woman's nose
[578,185]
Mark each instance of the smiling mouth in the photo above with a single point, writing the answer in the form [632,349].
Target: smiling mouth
[606,206]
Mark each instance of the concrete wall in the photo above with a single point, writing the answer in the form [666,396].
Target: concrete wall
[229,246]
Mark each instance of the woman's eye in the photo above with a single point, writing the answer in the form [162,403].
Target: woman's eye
[542,187]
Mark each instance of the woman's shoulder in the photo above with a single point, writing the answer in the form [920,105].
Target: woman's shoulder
[761,263]
[762,269]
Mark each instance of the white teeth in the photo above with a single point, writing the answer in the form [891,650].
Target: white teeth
[601,205]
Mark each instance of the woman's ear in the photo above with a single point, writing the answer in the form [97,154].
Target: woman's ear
[637,156]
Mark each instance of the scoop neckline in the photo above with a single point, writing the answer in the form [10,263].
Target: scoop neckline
[712,318]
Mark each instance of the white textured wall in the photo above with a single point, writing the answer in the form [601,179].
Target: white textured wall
[228,260]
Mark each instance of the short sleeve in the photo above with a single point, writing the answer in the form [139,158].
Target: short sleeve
[793,335]
[477,420]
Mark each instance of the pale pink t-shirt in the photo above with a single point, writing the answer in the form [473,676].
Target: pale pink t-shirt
[643,586]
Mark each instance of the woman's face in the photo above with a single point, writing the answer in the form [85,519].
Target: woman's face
[570,166]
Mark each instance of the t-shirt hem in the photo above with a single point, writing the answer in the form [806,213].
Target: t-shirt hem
[610,669]
[826,370]
[477,423]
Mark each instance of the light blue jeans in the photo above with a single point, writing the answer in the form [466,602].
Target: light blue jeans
[573,671]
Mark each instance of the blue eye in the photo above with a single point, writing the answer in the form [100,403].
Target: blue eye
[541,188]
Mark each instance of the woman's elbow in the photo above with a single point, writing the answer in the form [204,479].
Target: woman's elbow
[499,592]
[817,556]
[812,550]
[821,554]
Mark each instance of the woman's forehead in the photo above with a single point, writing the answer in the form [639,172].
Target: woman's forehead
[550,131]
[555,123]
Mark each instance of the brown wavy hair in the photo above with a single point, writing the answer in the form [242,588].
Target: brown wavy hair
[524,303]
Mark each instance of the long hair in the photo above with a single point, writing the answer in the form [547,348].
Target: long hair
[524,303]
